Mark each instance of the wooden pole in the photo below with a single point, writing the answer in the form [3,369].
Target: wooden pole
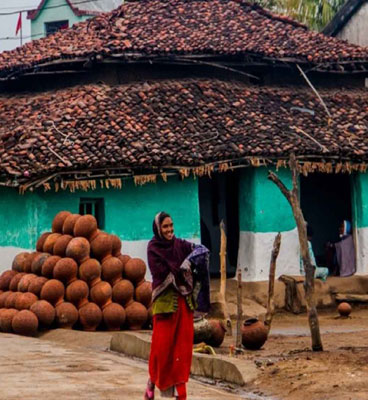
[293,198]
[239,310]
[271,281]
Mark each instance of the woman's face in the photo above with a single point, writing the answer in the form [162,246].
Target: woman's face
[167,228]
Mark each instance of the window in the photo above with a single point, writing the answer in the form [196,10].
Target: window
[96,207]
[54,26]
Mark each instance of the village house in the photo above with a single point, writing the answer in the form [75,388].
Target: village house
[185,106]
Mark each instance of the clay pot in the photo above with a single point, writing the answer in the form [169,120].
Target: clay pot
[25,300]
[6,278]
[112,270]
[3,297]
[101,294]
[18,262]
[78,249]
[58,221]
[68,226]
[36,285]
[66,270]
[86,226]
[254,334]
[66,315]
[123,292]
[101,246]
[344,309]
[143,293]
[49,265]
[90,316]
[25,323]
[41,241]
[90,272]
[48,246]
[15,280]
[53,292]
[7,319]
[11,299]
[77,293]
[27,266]
[116,245]
[218,331]
[38,261]
[135,270]
[45,313]
[114,317]
[25,281]
[61,244]
[124,258]
[136,315]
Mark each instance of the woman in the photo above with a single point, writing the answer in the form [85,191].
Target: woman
[171,261]
[345,250]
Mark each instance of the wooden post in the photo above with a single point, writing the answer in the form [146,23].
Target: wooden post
[271,281]
[239,314]
[293,198]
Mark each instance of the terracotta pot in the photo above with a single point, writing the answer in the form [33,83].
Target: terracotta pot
[41,241]
[27,266]
[15,280]
[66,270]
[37,263]
[3,297]
[25,281]
[116,245]
[101,294]
[36,285]
[90,316]
[124,258]
[58,221]
[136,315]
[78,249]
[7,319]
[48,246]
[61,244]
[254,334]
[77,293]
[218,331]
[90,272]
[68,226]
[135,270]
[25,300]
[45,313]
[25,323]
[112,270]
[114,317]
[11,299]
[53,292]
[86,226]
[19,260]
[49,265]
[143,293]
[66,315]
[1,312]
[344,309]
[123,292]
[6,278]
[101,246]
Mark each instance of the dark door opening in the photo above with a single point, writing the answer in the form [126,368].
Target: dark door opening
[218,200]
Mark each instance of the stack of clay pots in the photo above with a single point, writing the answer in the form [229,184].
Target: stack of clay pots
[76,278]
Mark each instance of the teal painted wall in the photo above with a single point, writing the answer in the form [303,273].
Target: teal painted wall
[129,212]
[360,199]
[262,207]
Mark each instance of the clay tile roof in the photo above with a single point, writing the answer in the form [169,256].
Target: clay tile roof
[175,123]
[181,27]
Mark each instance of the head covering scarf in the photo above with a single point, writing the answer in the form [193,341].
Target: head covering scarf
[347,228]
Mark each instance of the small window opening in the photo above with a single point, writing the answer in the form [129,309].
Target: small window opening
[54,26]
[95,207]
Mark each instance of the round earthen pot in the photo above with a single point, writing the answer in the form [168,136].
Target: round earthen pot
[78,249]
[90,316]
[86,226]
[45,313]
[68,226]
[136,315]
[25,281]
[5,279]
[90,272]
[25,300]
[114,317]
[37,263]
[36,285]
[123,292]
[124,258]
[3,297]
[6,319]
[1,312]
[101,246]
[66,315]
[41,241]
[218,333]
[254,334]
[11,299]
[344,309]
[53,292]
[116,245]
[66,270]
[58,221]
[112,269]
[143,293]
[15,280]
[19,260]
[77,293]
[135,270]
[48,266]
[101,294]
[27,265]
[61,244]
[48,246]
[25,323]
